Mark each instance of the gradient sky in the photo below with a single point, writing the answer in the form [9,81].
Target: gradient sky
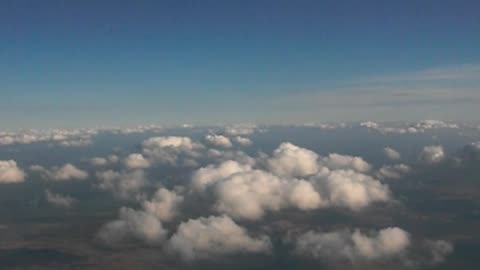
[86,63]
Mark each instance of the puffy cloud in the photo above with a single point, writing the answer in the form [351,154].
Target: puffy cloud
[136,161]
[98,161]
[242,191]
[164,204]
[59,200]
[393,171]
[172,150]
[439,249]
[125,185]
[211,174]
[419,127]
[431,124]
[61,137]
[101,161]
[432,154]
[369,124]
[391,153]
[239,130]
[353,246]
[10,172]
[76,143]
[242,141]
[249,194]
[218,141]
[64,173]
[170,141]
[215,236]
[133,225]
[326,126]
[289,160]
[347,188]
[336,161]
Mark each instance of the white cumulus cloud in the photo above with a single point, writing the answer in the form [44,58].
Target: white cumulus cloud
[215,236]
[59,200]
[10,172]
[432,154]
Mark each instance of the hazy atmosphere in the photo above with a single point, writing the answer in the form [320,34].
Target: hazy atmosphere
[239,134]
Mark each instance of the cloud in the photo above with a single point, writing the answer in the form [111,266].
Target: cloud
[172,150]
[408,128]
[211,174]
[61,137]
[218,140]
[101,161]
[470,152]
[391,153]
[215,236]
[250,193]
[65,173]
[132,225]
[393,171]
[353,246]
[246,192]
[432,154]
[439,249]
[350,189]
[10,172]
[163,205]
[242,141]
[240,130]
[336,161]
[136,161]
[124,185]
[59,200]
[290,160]
[76,143]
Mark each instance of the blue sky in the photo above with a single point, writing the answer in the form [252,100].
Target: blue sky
[84,63]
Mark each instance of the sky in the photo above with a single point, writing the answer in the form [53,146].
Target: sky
[93,63]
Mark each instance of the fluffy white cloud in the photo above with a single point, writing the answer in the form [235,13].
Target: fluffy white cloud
[353,246]
[164,204]
[289,160]
[125,185]
[215,236]
[393,171]
[218,140]
[369,124]
[249,194]
[391,153]
[211,174]
[336,161]
[172,150]
[133,225]
[64,173]
[61,137]
[432,154]
[170,141]
[10,172]
[59,200]
[243,191]
[419,127]
[439,249]
[76,143]
[239,130]
[242,141]
[101,161]
[431,124]
[136,161]
[347,188]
